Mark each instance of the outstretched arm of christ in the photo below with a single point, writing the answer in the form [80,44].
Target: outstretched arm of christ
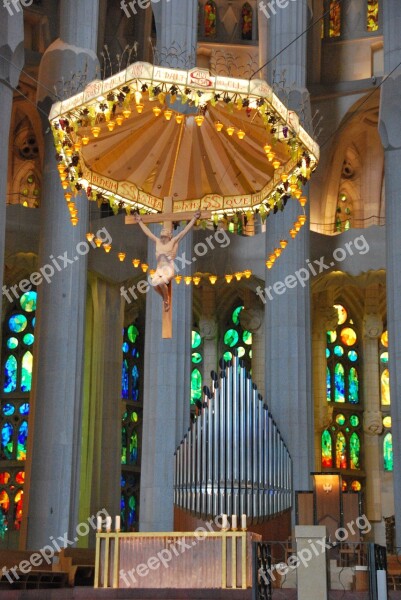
[191,223]
[145,229]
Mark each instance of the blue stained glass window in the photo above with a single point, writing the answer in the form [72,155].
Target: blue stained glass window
[352,355]
[7,444]
[135,383]
[22,438]
[24,408]
[353,386]
[28,301]
[339,383]
[133,449]
[125,347]
[28,339]
[125,380]
[10,375]
[8,410]
[12,343]
[17,323]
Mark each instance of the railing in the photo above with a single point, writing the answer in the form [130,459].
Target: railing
[261,571]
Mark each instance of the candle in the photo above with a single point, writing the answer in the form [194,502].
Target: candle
[99,523]
[224,525]
[118,523]
[243,522]
[234,522]
[108,524]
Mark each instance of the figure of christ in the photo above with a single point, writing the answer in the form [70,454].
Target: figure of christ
[166,251]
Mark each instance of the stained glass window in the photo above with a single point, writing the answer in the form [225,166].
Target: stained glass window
[355,448]
[246,22]
[388,452]
[210,19]
[372,23]
[339,383]
[385,374]
[335,18]
[196,369]
[327,449]
[341,448]
[237,338]
[15,385]
[131,429]
[342,377]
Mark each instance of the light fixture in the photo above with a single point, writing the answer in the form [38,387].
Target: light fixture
[178,279]
[284,177]
[71,206]
[119,119]
[297,226]
[302,219]
[293,188]
[168,114]
[121,256]
[199,120]
[212,279]
[98,242]
[277,252]
[139,108]
[107,248]
[247,273]
[267,148]
[188,280]
[74,213]
[241,134]
[74,221]
[68,151]
[303,200]
[298,193]
[68,196]
[77,145]
[127,113]
[90,236]
[269,264]
[196,279]
[276,163]
[293,233]
[157,110]
[179,119]
[95,130]
[136,262]
[238,276]
[152,272]
[230,130]
[144,267]
[228,278]
[283,244]
[64,184]
[219,126]
[63,176]
[270,156]
[111,125]
[85,140]
[60,167]
[272,257]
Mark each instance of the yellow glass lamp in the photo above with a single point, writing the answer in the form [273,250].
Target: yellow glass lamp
[238,276]
[199,120]
[241,134]
[107,248]
[168,114]
[144,267]
[276,164]
[283,244]
[196,279]
[111,125]
[127,113]
[119,119]
[121,256]
[157,111]
[139,108]
[74,221]
[247,273]
[136,262]
[188,280]
[219,126]
[303,200]
[302,219]
[228,278]
[269,264]
[95,131]
[293,233]
[178,279]
[90,236]
[179,119]
[85,140]
[212,279]
[98,242]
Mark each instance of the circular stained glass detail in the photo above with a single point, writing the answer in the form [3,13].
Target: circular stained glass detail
[353,356]
[342,313]
[33,321]
[8,410]
[338,350]
[227,356]
[231,338]
[327,353]
[196,357]
[28,339]
[125,347]
[132,502]
[356,486]
[125,415]
[354,420]
[196,340]
[12,343]
[384,339]
[247,337]
[236,314]
[348,336]
[28,301]
[20,477]
[387,421]
[17,323]
[384,357]
[24,408]
[134,417]
[345,485]
[241,351]
[340,419]
[347,429]
[331,337]
[132,333]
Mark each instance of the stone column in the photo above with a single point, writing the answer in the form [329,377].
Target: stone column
[12,49]
[53,466]
[287,315]
[325,318]
[176,26]
[390,131]
[208,329]
[252,319]
[372,420]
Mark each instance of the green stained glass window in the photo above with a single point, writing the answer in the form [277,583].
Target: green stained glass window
[12,343]
[196,357]
[17,323]
[28,339]
[132,333]
[134,417]
[123,446]
[338,350]
[10,375]
[328,384]
[196,340]
[125,382]
[231,338]
[331,337]
[210,18]
[26,372]
[133,448]
[227,356]
[246,22]
[24,408]
[247,337]
[196,385]
[353,386]
[135,383]
[22,439]
[384,357]
[354,420]
[339,383]
[340,419]
[388,452]
[354,450]
[240,351]
[28,302]
[327,449]
[236,314]
[341,451]
[7,444]
[353,356]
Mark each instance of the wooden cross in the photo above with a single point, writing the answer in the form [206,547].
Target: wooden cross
[168,217]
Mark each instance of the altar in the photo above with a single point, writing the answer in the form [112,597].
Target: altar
[196,559]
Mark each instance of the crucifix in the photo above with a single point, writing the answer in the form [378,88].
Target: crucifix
[166,251]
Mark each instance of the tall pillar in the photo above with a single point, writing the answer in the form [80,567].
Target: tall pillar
[390,131]
[372,418]
[53,467]
[176,26]
[252,319]
[12,48]
[208,329]
[287,315]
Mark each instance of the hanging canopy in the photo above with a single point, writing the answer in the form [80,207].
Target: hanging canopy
[212,143]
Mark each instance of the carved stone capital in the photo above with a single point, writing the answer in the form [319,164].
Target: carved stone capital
[208,328]
[323,416]
[251,319]
[372,326]
[326,318]
[390,113]
[373,422]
